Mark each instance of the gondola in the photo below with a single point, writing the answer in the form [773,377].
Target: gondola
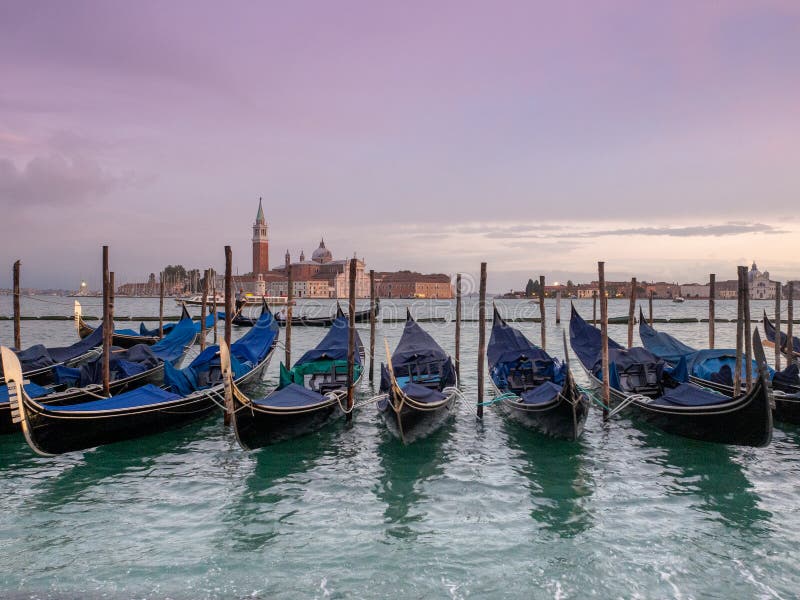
[663,396]
[361,316]
[126,338]
[769,330]
[420,384]
[190,394]
[310,394]
[531,387]
[715,368]
[129,369]
[39,362]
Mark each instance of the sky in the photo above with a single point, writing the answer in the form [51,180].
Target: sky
[540,137]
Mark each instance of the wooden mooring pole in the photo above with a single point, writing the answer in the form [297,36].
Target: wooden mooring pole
[541,312]
[287,343]
[748,332]
[17,332]
[778,326]
[458,326]
[372,316]
[203,312]
[631,312]
[228,323]
[712,294]
[108,327]
[594,309]
[161,305]
[214,300]
[481,337]
[650,308]
[604,337]
[737,376]
[558,307]
[789,326]
[351,340]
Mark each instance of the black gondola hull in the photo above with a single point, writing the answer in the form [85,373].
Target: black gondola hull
[744,421]
[119,339]
[52,432]
[256,428]
[560,419]
[411,424]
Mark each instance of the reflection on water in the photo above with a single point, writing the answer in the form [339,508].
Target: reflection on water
[405,469]
[274,488]
[559,484]
[710,475]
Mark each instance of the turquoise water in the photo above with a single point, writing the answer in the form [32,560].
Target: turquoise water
[480,509]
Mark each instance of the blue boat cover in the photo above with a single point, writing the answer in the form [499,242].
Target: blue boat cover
[38,356]
[509,349]
[334,345]
[542,394]
[31,389]
[586,341]
[130,362]
[144,331]
[416,345]
[253,346]
[711,365]
[293,396]
[173,345]
[687,394]
[144,396]
[420,393]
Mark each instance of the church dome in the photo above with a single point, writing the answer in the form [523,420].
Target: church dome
[322,254]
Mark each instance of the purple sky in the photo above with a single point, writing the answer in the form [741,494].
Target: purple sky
[661,137]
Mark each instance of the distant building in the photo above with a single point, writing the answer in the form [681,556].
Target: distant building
[761,288]
[409,284]
[662,289]
[695,290]
[260,243]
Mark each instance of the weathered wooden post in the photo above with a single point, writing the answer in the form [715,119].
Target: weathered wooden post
[161,304]
[458,326]
[372,316]
[108,327]
[541,312]
[214,301]
[631,311]
[748,332]
[203,313]
[650,306]
[17,334]
[604,337]
[712,294]
[737,376]
[289,311]
[481,336]
[790,325]
[351,340]
[778,326]
[558,307]
[594,308]
[228,323]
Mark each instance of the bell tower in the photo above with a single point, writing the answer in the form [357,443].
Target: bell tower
[260,243]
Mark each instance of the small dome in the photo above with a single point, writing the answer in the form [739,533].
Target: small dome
[322,254]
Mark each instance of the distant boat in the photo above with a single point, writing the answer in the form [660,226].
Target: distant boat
[678,299]
[197,300]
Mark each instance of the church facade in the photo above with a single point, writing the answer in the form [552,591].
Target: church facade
[323,276]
